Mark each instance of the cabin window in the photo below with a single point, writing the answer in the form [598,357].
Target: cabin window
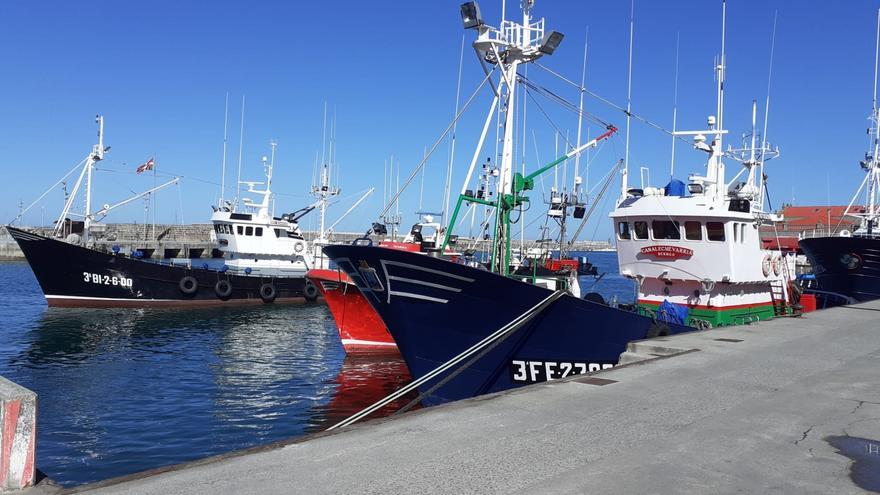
[622,230]
[240,230]
[259,232]
[279,233]
[665,229]
[693,231]
[715,231]
[640,229]
[248,231]
[227,228]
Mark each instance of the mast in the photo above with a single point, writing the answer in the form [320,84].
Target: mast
[225,140]
[624,184]
[96,156]
[240,150]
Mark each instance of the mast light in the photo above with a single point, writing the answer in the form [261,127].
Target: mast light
[551,42]
[470,15]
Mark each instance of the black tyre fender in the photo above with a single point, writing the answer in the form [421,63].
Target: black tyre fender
[310,292]
[595,297]
[188,285]
[223,289]
[268,292]
[657,329]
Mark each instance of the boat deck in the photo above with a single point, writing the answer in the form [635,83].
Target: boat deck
[749,409]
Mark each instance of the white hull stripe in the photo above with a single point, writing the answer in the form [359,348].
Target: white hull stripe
[422,282]
[428,270]
[89,298]
[367,342]
[25,236]
[416,296]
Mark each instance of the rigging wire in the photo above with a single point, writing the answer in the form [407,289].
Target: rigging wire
[415,171]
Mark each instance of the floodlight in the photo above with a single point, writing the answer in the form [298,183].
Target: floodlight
[551,42]
[470,15]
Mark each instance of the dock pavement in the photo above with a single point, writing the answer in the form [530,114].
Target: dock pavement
[766,408]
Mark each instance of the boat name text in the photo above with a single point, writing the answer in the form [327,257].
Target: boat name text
[541,371]
[667,252]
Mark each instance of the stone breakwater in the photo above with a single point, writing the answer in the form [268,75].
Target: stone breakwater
[193,240]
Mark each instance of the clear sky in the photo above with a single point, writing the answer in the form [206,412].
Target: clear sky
[159,72]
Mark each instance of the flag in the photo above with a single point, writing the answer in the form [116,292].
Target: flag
[146,166]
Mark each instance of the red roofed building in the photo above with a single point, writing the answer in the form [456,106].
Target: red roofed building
[808,220]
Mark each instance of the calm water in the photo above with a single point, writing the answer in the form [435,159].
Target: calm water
[123,390]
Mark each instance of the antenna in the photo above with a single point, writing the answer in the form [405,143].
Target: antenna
[767,111]
[225,138]
[577,159]
[632,10]
[240,150]
[324,136]
[674,107]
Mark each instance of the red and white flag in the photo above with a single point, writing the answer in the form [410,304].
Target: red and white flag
[146,166]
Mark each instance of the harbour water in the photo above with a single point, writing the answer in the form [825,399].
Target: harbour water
[124,390]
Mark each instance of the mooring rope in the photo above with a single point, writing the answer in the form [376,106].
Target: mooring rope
[502,332]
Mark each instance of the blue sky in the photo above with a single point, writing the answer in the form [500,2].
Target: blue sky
[159,73]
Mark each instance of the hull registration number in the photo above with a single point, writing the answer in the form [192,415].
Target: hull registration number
[97,278]
[541,371]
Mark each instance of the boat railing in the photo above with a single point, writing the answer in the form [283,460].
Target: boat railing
[816,233]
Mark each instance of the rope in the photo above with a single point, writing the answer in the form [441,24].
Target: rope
[434,146]
[501,333]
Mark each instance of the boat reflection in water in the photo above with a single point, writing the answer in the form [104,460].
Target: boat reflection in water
[125,390]
[363,380]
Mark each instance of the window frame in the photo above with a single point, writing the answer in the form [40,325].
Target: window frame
[626,235]
[699,230]
[675,223]
[635,230]
[722,230]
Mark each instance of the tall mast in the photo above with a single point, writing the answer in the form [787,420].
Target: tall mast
[225,139]
[624,184]
[240,150]
[96,156]
[874,162]
[674,109]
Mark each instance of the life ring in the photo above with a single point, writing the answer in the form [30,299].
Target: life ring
[268,292]
[298,247]
[188,285]
[777,261]
[310,292]
[765,266]
[223,289]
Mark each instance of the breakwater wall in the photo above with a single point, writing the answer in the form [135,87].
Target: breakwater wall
[194,240]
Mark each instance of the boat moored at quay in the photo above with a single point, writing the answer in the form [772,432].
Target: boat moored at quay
[265,257]
[847,264]
[487,328]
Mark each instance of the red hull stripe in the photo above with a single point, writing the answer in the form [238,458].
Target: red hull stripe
[713,308]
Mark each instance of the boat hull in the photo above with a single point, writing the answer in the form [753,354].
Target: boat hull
[858,284]
[435,309]
[361,330]
[75,276]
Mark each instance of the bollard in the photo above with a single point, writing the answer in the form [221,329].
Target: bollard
[18,427]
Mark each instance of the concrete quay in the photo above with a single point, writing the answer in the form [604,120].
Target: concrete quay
[755,409]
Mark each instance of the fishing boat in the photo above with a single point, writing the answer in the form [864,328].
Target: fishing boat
[694,249]
[846,264]
[480,329]
[361,329]
[265,257]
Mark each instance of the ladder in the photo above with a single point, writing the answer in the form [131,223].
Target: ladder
[777,296]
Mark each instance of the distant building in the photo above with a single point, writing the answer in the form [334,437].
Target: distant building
[801,221]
